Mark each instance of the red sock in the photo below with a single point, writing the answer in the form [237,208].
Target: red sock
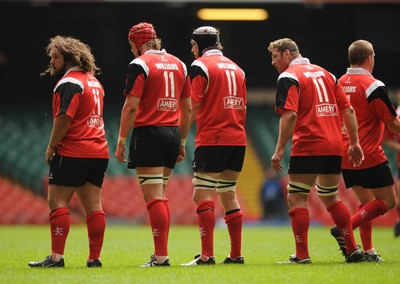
[159,224]
[366,233]
[168,214]
[59,229]
[206,217]
[341,216]
[300,220]
[398,212]
[368,212]
[96,226]
[234,222]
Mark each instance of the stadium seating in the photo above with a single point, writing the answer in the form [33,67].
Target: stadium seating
[24,137]
[262,128]
[19,205]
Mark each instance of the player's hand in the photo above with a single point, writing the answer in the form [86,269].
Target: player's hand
[355,155]
[50,152]
[182,154]
[119,153]
[276,160]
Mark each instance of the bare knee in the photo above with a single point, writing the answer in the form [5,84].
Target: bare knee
[390,203]
[297,200]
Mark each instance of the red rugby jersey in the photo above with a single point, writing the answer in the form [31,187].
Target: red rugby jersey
[314,94]
[80,95]
[373,109]
[219,85]
[159,80]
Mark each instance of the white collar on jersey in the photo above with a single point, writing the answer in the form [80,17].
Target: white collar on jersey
[300,60]
[75,68]
[155,51]
[212,52]
[360,71]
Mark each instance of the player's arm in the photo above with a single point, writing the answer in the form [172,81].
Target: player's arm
[69,94]
[394,125]
[185,116]
[128,116]
[379,101]
[355,153]
[135,82]
[61,125]
[199,81]
[287,123]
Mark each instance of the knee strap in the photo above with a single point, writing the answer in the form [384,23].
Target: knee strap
[202,181]
[150,179]
[327,190]
[165,180]
[226,185]
[298,187]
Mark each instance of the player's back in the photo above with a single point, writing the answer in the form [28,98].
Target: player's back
[162,82]
[219,86]
[318,128]
[360,87]
[83,100]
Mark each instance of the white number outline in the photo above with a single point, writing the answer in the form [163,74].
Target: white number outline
[231,76]
[96,97]
[319,84]
[169,80]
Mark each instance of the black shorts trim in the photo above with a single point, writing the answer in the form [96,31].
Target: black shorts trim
[75,172]
[315,164]
[374,177]
[218,158]
[154,146]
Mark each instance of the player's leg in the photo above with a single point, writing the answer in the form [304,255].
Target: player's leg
[204,188]
[380,181]
[207,167]
[327,188]
[298,190]
[365,196]
[151,184]
[157,149]
[166,176]
[59,198]
[397,225]
[89,196]
[64,179]
[226,189]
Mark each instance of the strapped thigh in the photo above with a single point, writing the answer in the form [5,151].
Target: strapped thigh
[150,179]
[226,185]
[327,190]
[298,187]
[202,181]
[165,180]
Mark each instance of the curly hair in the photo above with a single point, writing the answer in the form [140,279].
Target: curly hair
[75,53]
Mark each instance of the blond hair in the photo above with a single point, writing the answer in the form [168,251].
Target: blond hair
[282,44]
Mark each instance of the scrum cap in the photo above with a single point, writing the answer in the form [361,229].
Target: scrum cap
[206,37]
[141,34]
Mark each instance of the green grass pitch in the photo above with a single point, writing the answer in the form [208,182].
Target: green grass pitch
[128,246]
